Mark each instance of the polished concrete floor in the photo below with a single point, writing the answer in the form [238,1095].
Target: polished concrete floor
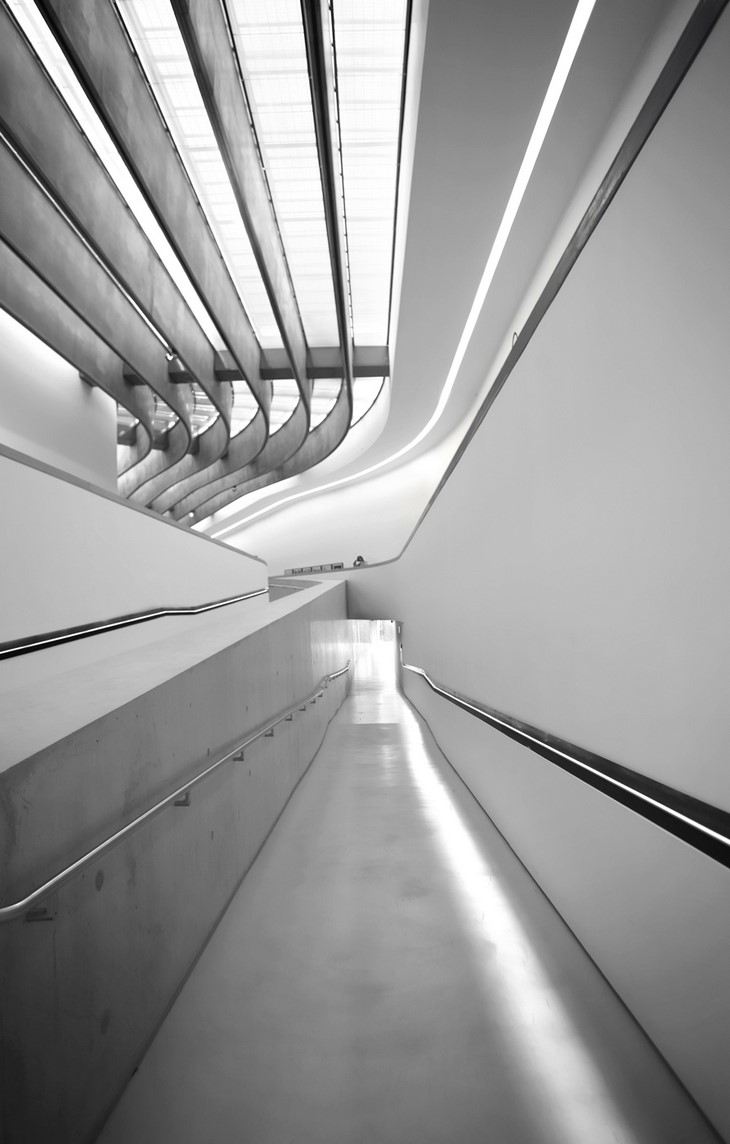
[388,971]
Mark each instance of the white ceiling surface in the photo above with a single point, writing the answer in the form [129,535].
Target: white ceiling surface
[486,68]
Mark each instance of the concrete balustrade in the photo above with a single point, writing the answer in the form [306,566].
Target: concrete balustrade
[91,982]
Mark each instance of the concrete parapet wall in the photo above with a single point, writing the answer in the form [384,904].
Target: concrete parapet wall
[84,992]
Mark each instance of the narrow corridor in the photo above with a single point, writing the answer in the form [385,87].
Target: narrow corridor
[388,971]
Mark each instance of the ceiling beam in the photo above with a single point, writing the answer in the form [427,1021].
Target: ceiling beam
[208,41]
[37,120]
[318,35]
[32,302]
[46,240]
[96,45]
[323,361]
[279,448]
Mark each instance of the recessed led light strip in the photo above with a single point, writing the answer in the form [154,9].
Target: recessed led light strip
[557,83]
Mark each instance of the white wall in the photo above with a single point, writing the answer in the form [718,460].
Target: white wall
[371,518]
[49,413]
[72,555]
[574,573]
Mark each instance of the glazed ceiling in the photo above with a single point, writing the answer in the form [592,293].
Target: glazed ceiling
[222,177]
[215,249]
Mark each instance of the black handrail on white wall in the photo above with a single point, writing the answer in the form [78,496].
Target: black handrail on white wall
[699,824]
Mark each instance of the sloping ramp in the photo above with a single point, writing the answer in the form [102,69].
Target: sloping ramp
[390,972]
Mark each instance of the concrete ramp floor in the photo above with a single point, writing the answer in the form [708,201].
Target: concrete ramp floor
[388,971]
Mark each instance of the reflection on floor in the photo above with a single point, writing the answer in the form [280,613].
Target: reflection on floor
[389,972]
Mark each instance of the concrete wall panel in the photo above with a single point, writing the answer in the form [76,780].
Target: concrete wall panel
[84,992]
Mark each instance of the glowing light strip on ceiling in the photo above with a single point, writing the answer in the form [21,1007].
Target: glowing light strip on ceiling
[567,55]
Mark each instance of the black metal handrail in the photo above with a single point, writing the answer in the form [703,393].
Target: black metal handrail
[699,824]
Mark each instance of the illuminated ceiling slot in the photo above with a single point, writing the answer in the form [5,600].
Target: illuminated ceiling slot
[156,37]
[270,44]
[370,49]
[61,73]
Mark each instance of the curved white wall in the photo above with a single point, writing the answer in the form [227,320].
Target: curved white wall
[574,574]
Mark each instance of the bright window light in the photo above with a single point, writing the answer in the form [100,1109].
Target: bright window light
[370,47]
[270,44]
[157,40]
[557,83]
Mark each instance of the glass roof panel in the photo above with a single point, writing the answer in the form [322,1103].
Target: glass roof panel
[370,47]
[154,32]
[269,40]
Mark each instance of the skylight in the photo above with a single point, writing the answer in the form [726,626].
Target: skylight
[156,37]
[270,44]
[285,96]
[370,46]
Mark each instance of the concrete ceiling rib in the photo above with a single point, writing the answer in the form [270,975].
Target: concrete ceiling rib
[206,39]
[105,212]
[325,438]
[279,448]
[204,31]
[38,120]
[34,226]
[100,53]
[27,297]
